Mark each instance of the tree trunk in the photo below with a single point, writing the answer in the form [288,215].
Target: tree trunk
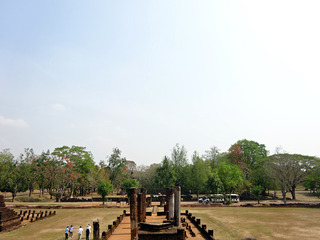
[30,191]
[293,193]
[284,193]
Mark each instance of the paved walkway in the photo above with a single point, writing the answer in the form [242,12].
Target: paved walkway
[123,232]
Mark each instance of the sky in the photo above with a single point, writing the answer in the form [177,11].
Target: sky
[143,76]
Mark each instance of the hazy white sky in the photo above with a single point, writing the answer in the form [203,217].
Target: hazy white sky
[145,75]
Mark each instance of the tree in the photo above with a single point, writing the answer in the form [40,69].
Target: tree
[289,170]
[82,163]
[199,174]
[129,183]
[257,191]
[212,156]
[236,156]
[41,165]
[260,177]
[230,176]
[179,160]
[104,188]
[214,184]
[146,176]
[312,181]
[12,178]
[253,151]
[166,176]
[28,168]
[117,166]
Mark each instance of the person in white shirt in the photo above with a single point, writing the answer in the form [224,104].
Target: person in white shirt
[80,233]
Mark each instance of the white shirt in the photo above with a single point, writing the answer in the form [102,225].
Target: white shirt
[80,230]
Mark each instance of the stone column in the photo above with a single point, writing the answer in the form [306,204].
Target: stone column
[167,202]
[96,230]
[171,204]
[144,204]
[177,202]
[133,214]
[139,207]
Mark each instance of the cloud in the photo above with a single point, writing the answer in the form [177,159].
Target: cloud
[12,122]
[58,107]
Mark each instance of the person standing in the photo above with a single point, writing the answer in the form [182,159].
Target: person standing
[80,233]
[71,231]
[88,231]
[66,233]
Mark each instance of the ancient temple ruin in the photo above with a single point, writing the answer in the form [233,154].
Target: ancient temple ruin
[9,219]
[166,230]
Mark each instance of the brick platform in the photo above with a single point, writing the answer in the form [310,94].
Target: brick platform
[9,219]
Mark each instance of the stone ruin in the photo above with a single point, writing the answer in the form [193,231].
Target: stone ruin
[9,219]
[169,229]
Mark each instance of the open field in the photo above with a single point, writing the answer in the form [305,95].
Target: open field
[53,227]
[227,222]
[261,223]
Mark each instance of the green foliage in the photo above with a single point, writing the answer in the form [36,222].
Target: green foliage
[12,176]
[289,170]
[199,174]
[166,176]
[246,154]
[257,191]
[253,151]
[104,188]
[179,160]
[231,177]
[129,183]
[117,167]
[214,184]
[312,181]
[146,176]
[212,156]
[82,159]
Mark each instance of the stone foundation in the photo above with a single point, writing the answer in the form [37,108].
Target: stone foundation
[9,219]
[167,234]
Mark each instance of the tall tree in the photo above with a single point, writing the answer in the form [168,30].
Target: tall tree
[179,160]
[12,178]
[237,157]
[199,174]
[212,156]
[166,176]
[214,184]
[230,176]
[82,163]
[253,151]
[28,168]
[246,155]
[117,167]
[289,170]
[146,176]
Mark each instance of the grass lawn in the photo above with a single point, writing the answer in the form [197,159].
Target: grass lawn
[53,227]
[261,223]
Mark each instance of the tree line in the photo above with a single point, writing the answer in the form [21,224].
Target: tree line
[246,168]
